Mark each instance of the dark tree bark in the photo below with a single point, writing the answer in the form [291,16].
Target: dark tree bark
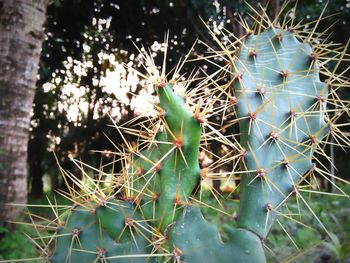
[21,37]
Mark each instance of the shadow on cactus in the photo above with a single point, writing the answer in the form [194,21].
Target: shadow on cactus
[151,210]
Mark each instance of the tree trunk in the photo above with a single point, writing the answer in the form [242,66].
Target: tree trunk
[21,37]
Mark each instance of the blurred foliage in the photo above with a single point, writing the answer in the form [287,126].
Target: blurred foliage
[312,240]
[15,245]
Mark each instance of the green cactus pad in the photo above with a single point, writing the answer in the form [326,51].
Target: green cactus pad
[179,172]
[175,150]
[280,102]
[103,234]
[196,241]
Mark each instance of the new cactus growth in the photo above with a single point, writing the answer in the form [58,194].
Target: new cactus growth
[150,214]
[176,158]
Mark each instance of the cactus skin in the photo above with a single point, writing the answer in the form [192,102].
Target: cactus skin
[288,125]
[198,241]
[96,233]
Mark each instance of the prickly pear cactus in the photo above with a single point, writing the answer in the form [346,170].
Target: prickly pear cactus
[150,211]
